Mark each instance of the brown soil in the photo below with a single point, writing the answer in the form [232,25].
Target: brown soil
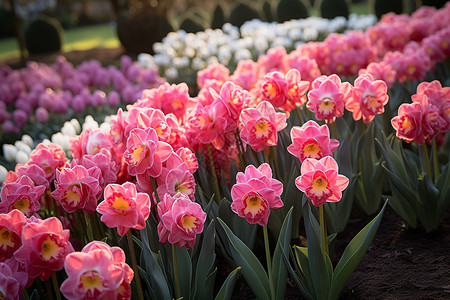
[400,264]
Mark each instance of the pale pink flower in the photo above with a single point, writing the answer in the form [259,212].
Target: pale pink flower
[368,99]
[49,158]
[245,74]
[327,97]
[189,158]
[180,220]
[45,245]
[78,188]
[216,71]
[296,90]
[35,173]
[9,286]
[272,61]
[255,193]
[260,125]
[22,195]
[408,122]
[90,142]
[320,181]
[144,152]
[10,232]
[96,272]
[311,141]
[124,207]
[307,66]
[380,71]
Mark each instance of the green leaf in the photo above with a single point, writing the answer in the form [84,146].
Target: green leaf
[306,284]
[429,195]
[253,271]
[158,281]
[353,254]
[226,291]
[205,265]
[184,270]
[320,276]
[443,184]
[279,269]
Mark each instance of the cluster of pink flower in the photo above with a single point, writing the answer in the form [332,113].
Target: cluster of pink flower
[427,116]
[39,89]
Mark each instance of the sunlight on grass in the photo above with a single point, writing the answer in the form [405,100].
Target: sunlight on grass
[82,38]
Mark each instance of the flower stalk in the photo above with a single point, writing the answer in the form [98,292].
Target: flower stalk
[175,272]
[213,171]
[135,266]
[269,261]
[323,230]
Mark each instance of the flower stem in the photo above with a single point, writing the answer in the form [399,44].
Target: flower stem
[155,189]
[323,230]
[56,286]
[274,151]
[269,261]
[48,288]
[135,266]
[299,116]
[175,272]
[89,226]
[427,159]
[334,130]
[240,147]
[213,170]
[435,160]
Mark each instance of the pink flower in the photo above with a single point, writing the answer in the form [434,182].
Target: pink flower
[306,65]
[408,122]
[102,160]
[35,173]
[10,232]
[368,99]
[433,122]
[214,71]
[380,71]
[45,245]
[144,152]
[260,125]
[143,117]
[22,195]
[255,193]
[49,158]
[180,220]
[90,142]
[274,89]
[97,272]
[320,181]
[327,97]
[296,90]
[124,208]
[245,74]
[9,286]
[311,141]
[78,188]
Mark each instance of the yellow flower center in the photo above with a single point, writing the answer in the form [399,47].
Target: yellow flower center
[253,204]
[262,128]
[73,197]
[50,249]
[5,239]
[311,150]
[411,69]
[444,44]
[270,89]
[406,124]
[22,205]
[138,151]
[120,203]
[326,107]
[176,104]
[91,281]
[189,222]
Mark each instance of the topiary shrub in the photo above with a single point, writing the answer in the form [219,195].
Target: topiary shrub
[218,18]
[267,10]
[331,9]
[382,7]
[138,34]
[241,13]
[435,3]
[44,35]
[290,10]
[6,23]
[190,25]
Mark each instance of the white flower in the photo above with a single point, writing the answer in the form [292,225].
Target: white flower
[9,152]
[76,125]
[89,123]
[22,157]
[22,147]
[3,173]
[145,61]
[27,140]
[68,129]
[62,140]
[171,73]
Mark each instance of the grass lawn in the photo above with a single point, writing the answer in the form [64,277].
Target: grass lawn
[82,38]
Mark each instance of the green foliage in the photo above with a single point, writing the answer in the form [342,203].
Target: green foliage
[382,7]
[190,25]
[435,3]
[44,35]
[331,9]
[218,18]
[291,10]
[241,13]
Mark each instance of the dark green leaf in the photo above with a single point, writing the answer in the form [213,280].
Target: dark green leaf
[226,291]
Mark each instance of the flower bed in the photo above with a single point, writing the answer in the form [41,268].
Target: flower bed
[256,150]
